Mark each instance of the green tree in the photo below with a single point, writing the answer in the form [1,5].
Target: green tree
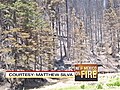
[24,35]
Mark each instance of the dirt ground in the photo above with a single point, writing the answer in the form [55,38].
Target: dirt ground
[103,78]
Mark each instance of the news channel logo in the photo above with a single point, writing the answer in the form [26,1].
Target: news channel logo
[86,72]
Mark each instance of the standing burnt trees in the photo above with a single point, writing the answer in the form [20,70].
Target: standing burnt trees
[111,27]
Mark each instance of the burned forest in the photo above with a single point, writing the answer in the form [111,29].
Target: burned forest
[56,34]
